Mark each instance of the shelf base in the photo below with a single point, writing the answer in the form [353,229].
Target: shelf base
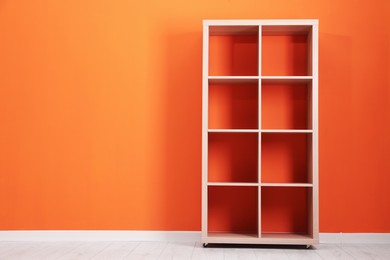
[265,238]
[286,236]
[232,235]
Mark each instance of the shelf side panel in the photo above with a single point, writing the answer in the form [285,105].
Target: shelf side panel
[205,102]
[315,201]
[259,109]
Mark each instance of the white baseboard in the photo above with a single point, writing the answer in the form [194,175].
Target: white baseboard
[355,238]
[185,236]
[99,235]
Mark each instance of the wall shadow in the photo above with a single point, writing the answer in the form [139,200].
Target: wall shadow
[182,129]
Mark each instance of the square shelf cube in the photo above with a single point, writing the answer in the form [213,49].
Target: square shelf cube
[286,105]
[234,52]
[233,157]
[285,210]
[233,210]
[285,54]
[285,158]
[233,105]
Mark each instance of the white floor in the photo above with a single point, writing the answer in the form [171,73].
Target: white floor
[165,250]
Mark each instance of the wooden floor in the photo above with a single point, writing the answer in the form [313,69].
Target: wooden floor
[164,250]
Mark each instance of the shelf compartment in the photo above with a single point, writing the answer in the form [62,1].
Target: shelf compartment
[233,53]
[233,210]
[285,105]
[233,157]
[285,212]
[233,106]
[284,53]
[285,157]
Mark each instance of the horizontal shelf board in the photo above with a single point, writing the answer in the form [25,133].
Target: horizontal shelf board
[232,235]
[286,79]
[234,79]
[286,131]
[286,235]
[233,131]
[274,184]
[242,184]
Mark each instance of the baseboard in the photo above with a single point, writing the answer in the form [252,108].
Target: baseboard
[99,235]
[168,236]
[355,238]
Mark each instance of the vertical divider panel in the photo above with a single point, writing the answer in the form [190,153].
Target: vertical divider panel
[205,102]
[259,128]
[314,48]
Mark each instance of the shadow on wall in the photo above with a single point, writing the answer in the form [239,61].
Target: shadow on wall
[335,92]
[182,132]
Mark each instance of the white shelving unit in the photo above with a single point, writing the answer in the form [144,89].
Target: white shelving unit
[260,132]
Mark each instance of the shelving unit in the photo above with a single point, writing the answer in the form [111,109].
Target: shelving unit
[260,132]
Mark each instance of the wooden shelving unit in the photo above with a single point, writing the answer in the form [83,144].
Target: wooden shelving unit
[260,132]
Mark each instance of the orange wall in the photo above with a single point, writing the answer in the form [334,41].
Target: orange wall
[100,111]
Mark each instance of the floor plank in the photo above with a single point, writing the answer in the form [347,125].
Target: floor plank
[52,250]
[116,250]
[270,254]
[300,254]
[177,251]
[147,251]
[239,253]
[206,253]
[86,250]
[22,250]
[382,250]
[327,251]
[5,247]
[360,251]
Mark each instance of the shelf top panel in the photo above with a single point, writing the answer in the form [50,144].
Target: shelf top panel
[278,22]
[251,27]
